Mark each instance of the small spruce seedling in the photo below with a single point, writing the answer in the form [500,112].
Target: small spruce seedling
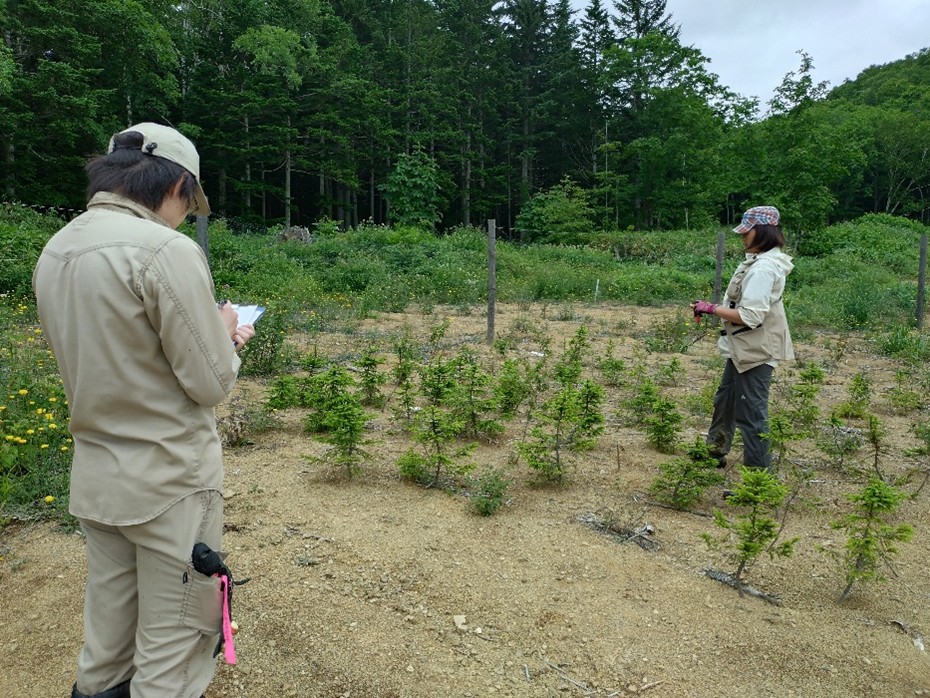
[759,494]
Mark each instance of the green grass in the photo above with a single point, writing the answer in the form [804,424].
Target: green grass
[859,275]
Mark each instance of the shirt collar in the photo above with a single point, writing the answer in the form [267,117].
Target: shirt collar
[116,202]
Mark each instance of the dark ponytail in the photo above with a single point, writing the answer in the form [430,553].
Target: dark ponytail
[131,172]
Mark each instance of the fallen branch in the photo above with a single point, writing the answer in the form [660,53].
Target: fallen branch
[624,534]
[650,685]
[730,581]
[566,677]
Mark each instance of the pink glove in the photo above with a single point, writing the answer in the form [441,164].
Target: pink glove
[702,308]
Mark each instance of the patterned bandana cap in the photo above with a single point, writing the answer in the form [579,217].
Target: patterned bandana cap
[758,215]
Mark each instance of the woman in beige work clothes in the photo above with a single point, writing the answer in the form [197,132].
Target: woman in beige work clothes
[127,304]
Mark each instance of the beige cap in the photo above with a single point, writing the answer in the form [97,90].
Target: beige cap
[166,142]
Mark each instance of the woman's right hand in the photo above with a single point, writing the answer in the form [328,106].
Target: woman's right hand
[229,316]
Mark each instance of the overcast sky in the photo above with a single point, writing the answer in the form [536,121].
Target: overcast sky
[752,44]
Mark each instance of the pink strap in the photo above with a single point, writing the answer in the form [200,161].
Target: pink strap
[229,647]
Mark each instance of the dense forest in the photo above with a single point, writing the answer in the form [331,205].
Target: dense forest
[313,109]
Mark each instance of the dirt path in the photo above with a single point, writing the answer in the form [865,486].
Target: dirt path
[357,586]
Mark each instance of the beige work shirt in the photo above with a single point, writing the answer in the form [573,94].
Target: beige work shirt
[127,305]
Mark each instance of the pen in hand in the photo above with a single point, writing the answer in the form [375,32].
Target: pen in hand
[220,307]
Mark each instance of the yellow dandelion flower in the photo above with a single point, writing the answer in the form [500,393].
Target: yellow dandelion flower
[63,448]
[29,432]
[52,426]
[23,391]
[44,446]
[9,437]
[53,399]
[49,499]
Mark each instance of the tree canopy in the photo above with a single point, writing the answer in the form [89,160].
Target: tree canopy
[316,109]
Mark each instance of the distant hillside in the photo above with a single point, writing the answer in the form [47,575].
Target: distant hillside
[901,84]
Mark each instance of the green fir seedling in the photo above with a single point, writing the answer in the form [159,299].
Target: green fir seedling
[663,425]
[371,379]
[512,387]
[860,398]
[439,460]
[545,450]
[284,392]
[403,372]
[902,398]
[489,492]
[640,405]
[313,362]
[872,538]
[759,494]
[568,368]
[800,403]
[839,442]
[323,392]
[471,399]
[590,420]
[613,370]
[682,481]
[437,380]
[671,373]
[344,423]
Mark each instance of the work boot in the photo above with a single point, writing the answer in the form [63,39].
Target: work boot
[120,691]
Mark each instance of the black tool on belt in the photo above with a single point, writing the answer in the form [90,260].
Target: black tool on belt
[208,562]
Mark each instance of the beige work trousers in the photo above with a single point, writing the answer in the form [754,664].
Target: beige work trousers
[148,615]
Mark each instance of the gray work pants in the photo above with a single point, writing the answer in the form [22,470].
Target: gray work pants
[742,401]
[148,615]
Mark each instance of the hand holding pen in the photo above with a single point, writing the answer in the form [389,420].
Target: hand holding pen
[240,334]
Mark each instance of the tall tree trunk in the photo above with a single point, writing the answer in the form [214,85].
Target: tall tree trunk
[248,169]
[287,188]
[371,197]
[466,182]
[264,198]
[221,182]
[9,162]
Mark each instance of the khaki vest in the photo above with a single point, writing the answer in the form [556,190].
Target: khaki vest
[767,343]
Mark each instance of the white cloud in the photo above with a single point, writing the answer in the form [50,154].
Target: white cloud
[752,44]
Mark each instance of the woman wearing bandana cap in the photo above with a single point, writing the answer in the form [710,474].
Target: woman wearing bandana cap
[755,337]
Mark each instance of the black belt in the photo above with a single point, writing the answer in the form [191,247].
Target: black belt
[744,328]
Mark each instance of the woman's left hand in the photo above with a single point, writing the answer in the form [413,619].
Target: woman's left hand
[242,335]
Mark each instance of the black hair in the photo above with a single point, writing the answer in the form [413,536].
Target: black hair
[130,172]
[767,237]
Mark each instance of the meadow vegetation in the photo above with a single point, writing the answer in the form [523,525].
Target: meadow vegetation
[853,277]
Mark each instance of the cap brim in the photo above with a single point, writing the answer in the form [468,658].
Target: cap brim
[201,206]
[742,229]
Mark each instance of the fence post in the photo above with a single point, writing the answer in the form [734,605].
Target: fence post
[718,276]
[492,276]
[921,278]
[202,238]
